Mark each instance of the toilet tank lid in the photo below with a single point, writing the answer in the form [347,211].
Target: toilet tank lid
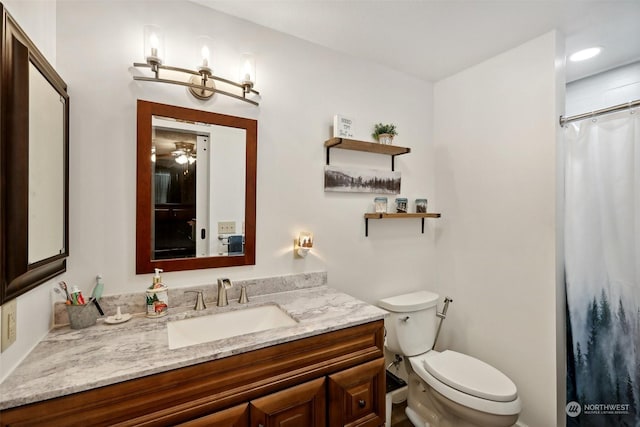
[409,302]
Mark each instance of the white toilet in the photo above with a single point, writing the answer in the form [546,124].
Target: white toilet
[446,389]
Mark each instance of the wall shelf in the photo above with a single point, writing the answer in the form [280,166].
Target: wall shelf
[379,215]
[369,147]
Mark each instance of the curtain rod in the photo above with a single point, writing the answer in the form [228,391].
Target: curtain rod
[631,104]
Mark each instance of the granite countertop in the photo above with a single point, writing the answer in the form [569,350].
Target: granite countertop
[68,361]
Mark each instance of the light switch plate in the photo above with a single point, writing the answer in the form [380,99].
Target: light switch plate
[8,324]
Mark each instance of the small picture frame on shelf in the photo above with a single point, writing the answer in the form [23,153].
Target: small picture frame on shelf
[401,205]
[421,205]
[342,127]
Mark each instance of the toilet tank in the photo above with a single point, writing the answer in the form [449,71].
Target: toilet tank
[411,325]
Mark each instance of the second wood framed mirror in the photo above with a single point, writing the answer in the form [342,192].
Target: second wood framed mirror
[196,189]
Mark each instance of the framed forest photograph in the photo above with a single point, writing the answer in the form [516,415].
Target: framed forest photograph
[354,180]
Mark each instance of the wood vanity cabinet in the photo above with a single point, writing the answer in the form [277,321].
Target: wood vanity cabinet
[299,406]
[355,396]
[333,379]
[238,416]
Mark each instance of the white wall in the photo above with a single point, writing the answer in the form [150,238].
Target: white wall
[602,90]
[302,87]
[495,140]
[38,19]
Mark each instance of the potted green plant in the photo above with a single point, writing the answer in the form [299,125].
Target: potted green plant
[384,133]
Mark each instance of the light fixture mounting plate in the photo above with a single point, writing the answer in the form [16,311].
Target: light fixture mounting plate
[200,92]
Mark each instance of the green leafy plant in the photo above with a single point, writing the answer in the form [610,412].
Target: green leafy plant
[380,129]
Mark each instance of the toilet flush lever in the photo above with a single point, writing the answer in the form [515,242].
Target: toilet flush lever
[404,319]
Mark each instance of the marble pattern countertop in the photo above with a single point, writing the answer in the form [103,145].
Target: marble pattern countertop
[68,361]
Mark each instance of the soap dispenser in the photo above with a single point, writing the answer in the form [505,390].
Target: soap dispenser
[157,296]
[157,280]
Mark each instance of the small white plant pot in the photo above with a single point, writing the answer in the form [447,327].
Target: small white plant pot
[385,138]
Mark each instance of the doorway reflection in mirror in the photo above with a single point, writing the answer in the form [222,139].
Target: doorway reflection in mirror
[198,181]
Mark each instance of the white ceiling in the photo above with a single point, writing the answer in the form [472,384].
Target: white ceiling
[433,39]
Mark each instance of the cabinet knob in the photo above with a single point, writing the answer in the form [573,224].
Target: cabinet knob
[362,403]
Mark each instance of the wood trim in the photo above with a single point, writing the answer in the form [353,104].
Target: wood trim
[196,391]
[144,205]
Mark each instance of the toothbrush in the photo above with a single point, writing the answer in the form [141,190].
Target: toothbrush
[59,292]
[63,286]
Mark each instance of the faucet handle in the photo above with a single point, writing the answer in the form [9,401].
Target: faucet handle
[200,305]
[243,295]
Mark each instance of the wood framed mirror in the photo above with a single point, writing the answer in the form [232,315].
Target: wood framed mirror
[35,173]
[196,189]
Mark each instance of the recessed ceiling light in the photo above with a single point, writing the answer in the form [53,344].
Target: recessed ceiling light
[584,54]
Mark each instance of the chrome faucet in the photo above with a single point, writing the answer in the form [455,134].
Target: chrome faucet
[200,305]
[223,285]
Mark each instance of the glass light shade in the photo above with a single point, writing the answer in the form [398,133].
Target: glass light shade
[204,50]
[153,43]
[305,240]
[182,159]
[247,68]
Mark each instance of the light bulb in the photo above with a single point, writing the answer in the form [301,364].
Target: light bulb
[153,43]
[204,52]
[181,159]
[585,54]
[203,49]
[247,68]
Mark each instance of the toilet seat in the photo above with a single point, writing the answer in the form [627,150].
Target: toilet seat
[471,376]
[454,377]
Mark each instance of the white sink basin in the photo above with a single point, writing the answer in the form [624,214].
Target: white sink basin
[198,330]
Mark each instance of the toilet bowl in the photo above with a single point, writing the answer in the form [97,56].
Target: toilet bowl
[446,389]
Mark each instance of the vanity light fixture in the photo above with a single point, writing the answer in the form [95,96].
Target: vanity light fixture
[202,81]
[303,244]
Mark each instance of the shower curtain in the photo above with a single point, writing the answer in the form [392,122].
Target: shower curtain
[602,273]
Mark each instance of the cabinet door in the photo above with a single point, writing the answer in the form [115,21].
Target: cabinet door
[238,416]
[356,396]
[299,406]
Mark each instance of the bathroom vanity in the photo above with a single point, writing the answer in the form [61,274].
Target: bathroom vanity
[327,370]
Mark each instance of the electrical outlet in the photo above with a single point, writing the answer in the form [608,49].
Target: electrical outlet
[226,227]
[8,324]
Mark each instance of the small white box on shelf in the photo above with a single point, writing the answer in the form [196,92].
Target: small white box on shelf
[342,127]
